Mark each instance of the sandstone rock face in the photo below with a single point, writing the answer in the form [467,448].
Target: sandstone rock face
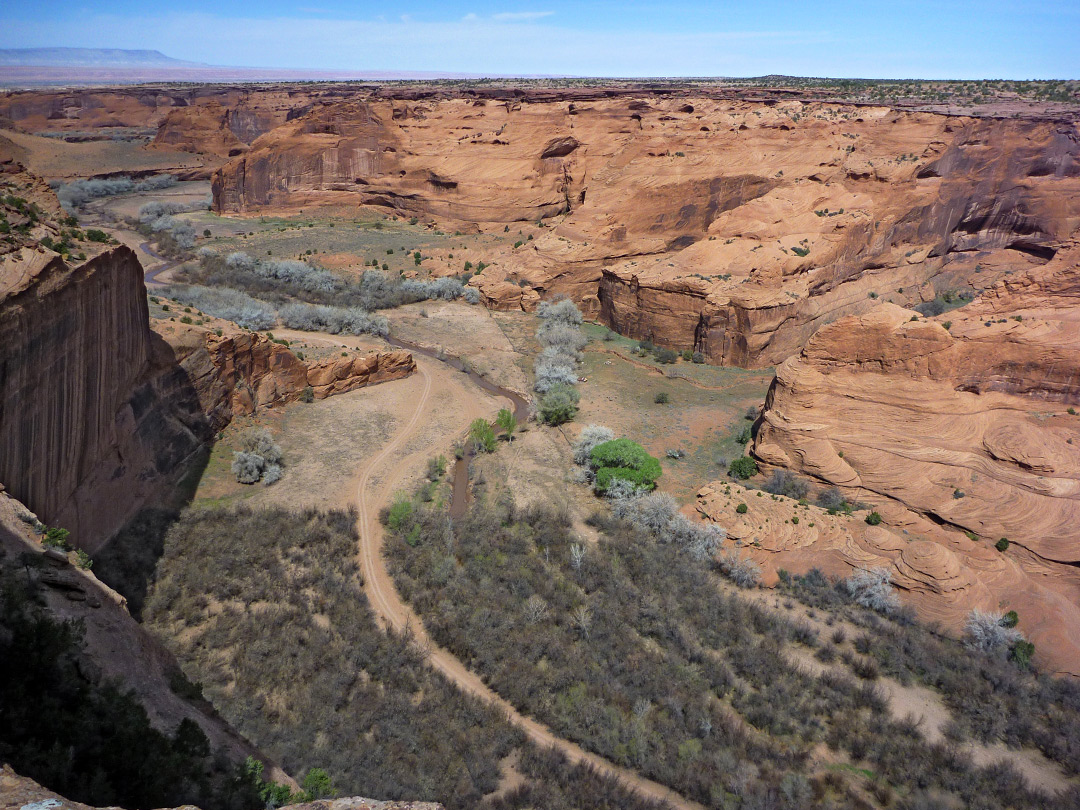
[239,372]
[203,129]
[251,111]
[724,226]
[959,430]
[75,344]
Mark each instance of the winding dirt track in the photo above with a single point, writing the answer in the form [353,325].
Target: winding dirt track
[389,606]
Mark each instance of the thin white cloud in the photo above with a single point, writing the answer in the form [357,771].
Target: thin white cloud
[521,16]
[485,46]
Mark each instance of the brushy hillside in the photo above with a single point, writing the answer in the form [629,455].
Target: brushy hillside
[265,610]
[637,649]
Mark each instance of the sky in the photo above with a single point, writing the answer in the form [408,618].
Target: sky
[918,39]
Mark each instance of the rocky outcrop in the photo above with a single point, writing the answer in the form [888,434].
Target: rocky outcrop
[237,373]
[964,429]
[732,228]
[18,792]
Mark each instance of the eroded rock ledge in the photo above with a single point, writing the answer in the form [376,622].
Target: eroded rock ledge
[947,431]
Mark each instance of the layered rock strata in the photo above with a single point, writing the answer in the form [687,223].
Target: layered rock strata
[959,429]
[727,227]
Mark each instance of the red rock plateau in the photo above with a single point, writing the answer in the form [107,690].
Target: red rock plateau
[958,436]
[97,410]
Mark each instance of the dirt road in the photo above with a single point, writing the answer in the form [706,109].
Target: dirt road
[389,606]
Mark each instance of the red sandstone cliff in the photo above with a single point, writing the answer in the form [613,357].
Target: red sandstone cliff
[731,228]
[955,430]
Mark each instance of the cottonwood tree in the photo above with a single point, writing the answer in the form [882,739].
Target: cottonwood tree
[508,422]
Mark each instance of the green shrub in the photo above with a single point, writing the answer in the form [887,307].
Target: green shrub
[1021,653]
[662,398]
[873,518]
[665,356]
[1010,619]
[687,355]
[743,468]
[698,358]
[308,394]
[482,436]
[400,511]
[559,404]
[741,508]
[1002,544]
[626,459]
[56,537]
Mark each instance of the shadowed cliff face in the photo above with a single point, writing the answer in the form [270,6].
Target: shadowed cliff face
[99,413]
[727,227]
[947,431]
[75,347]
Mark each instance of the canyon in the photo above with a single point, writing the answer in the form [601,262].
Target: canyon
[752,229]
[735,229]
[100,410]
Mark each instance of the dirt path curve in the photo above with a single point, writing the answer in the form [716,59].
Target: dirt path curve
[393,611]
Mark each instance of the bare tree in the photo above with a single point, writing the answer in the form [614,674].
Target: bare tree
[577,556]
[743,571]
[536,609]
[986,632]
[872,588]
[581,619]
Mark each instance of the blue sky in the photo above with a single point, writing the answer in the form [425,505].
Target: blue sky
[905,39]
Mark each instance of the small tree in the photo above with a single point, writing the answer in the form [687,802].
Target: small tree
[399,513]
[623,458]
[536,609]
[56,537]
[559,404]
[989,632]
[482,436]
[743,571]
[508,422]
[872,588]
[581,618]
[316,785]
